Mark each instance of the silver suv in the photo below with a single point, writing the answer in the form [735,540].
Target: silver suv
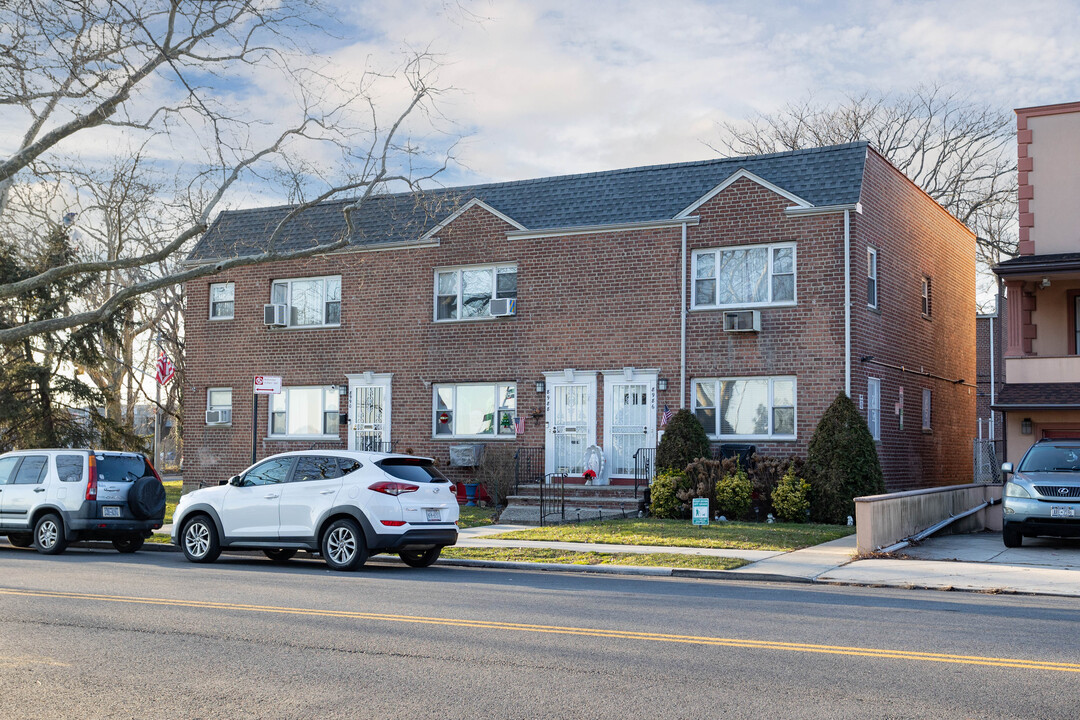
[51,498]
[1043,495]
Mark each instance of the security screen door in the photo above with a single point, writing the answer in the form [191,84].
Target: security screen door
[629,418]
[369,424]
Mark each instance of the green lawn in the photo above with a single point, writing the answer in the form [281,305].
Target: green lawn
[172,496]
[565,557]
[475,517]
[681,533]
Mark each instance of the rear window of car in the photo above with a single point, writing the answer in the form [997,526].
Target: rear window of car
[1052,458]
[121,468]
[69,468]
[412,470]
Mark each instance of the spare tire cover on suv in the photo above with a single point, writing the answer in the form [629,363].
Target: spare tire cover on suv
[146,498]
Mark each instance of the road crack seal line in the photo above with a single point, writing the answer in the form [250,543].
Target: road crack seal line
[881,653]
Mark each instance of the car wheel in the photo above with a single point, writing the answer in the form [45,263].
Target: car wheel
[199,540]
[23,540]
[281,555]
[343,545]
[49,536]
[420,558]
[128,544]
[1011,536]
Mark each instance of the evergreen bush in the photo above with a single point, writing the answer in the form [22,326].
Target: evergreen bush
[791,498]
[734,494]
[665,503]
[765,474]
[701,478]
[684,442]
[841,463]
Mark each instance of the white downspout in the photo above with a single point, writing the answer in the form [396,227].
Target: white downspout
[993,430]
[682,329]
[847,302]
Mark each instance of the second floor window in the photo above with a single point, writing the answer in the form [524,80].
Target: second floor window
[312,302]
[871,278]
[466,293]
[926,296]
[744,276]
[221,300]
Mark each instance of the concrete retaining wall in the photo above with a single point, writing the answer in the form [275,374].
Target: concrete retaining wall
[882,520]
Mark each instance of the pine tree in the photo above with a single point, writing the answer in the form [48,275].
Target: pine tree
[842,463]
[684,442]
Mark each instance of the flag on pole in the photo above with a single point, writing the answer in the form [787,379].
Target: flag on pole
[165,369]
[666,417]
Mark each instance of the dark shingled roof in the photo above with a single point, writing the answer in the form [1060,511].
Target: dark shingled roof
[1025,264]
[1034,396]
[821,176]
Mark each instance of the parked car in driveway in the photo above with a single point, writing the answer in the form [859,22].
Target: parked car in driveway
[51,498]
[1043,495]
[343,505]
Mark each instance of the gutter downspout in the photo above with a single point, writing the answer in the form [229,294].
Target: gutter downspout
[682,329]
[847,302]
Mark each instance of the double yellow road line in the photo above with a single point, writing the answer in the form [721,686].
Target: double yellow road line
[1021,663]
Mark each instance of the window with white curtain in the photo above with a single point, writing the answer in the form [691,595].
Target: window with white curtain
[312,302]
[759,407]
[474,410]
[466,293]
[304,412]
[745,276]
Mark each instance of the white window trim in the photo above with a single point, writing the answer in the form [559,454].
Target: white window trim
[218,407]
[493,437]
[694,305]
[872,252]
[288,300]
[270,416]
[772,379]
[924,300]
[210,299]
[460,288]
[873,389]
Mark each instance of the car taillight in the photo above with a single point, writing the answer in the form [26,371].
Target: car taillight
[389,487]
[91,484]
[393,523]
[153,470]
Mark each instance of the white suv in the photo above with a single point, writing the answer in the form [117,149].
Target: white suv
[50,498]
[344,505]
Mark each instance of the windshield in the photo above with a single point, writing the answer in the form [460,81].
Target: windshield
[121,468]
[416,470]
[1052,458]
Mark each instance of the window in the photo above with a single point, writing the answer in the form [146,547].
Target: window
[221,300]
[744,276]
[32,471]
[412,470]
[926,409]
[304,412]
[270,472]
[474,410]
[69,468]
[926,296]
[746,407]
[7,466]
[219,399]
[312,302]
[873,407]
[871,277]
[313,467]
[466,293]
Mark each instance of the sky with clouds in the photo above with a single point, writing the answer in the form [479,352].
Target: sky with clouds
[546,87]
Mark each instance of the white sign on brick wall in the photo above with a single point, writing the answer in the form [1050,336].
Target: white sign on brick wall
[267,385]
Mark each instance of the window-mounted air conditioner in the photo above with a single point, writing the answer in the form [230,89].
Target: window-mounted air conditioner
[742,321]
[275,315]
[503,307]
[218,417]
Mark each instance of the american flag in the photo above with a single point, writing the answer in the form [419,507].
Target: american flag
[519,425]
[165,369]
[666,417]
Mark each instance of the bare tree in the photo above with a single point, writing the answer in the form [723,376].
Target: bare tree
[171,77]
[960,152]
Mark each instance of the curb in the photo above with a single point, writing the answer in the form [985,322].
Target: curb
[687,573]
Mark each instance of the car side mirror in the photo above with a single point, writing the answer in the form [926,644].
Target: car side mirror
[235,481]
[1007,468]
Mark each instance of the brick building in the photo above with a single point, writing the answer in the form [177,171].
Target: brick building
[749,290]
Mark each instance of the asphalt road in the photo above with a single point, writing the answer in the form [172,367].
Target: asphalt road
[93,633]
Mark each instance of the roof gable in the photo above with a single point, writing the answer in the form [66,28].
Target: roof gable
[738,175]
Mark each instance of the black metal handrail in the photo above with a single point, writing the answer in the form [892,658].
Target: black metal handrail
[528,467]
[644,467]
[553,497]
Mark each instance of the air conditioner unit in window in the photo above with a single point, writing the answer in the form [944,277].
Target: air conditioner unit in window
[218,417]
[503,307]
[742,321]
[275,315]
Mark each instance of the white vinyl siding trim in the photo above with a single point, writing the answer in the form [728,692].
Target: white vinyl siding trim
[473,410]
[464,293]
[304,412]
[313,302]
[779,277]
[777,397]
[873,407]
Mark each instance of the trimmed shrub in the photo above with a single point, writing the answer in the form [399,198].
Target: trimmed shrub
[841,463]
[684,442]
[734,494]
[765,474]
[702,475]
[665,503]
[791,498]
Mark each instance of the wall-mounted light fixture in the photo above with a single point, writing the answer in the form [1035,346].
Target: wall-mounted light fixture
[1045,283]
[539,386]
[661,384]
[1025,426]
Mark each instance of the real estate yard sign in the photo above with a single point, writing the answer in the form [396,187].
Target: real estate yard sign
[701,511]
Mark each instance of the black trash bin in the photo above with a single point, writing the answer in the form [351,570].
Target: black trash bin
[743,451]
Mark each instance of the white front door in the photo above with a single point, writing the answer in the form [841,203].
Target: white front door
[369,416]
[629,418]
[571,420]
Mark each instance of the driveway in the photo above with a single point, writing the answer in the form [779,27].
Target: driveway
[986,547]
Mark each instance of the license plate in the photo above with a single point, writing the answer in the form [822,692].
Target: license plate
[110,511]
[433,515]
[1061,511]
